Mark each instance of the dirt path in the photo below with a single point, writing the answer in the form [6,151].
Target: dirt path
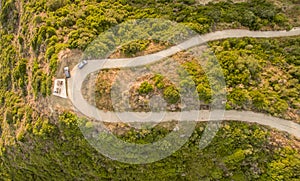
[78,77]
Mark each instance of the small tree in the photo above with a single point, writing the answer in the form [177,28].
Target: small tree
[171,95]
[145,88]
[204,92]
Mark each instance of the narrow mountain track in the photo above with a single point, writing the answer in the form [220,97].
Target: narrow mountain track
[79,75]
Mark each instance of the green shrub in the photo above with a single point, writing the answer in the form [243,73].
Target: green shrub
[134,47]
[145,88]
[49,52]
[53,5]
[43,128]
[280,18]
[204,93]
[171,94]
[9,117]
[20,40]
[158,81]
[38,20]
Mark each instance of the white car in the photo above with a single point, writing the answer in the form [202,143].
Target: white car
[67,72]
[82,64]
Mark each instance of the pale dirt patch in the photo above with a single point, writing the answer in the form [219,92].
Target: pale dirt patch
[68,58]
[97,87]
[284,140]
[53,104]
[274,75]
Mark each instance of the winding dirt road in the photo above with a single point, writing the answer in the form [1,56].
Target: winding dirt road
[79,75]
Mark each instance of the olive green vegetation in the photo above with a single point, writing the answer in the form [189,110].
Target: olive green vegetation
[145,88]
[239,152]
[261,75]
[35,146]
[43,28]
[46,27]
[171,94]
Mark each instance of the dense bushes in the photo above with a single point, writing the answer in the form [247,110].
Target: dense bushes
[253,14]
[75,24]
[8,58]
[94,18]
[50,26]
[54,5]
[238,152]
[9,15]
[133,47]
[43,128]
[41,84]
[261,75]
[258,77]
[43,34]
[20,75]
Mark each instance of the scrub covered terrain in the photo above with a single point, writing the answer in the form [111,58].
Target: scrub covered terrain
[262,75]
